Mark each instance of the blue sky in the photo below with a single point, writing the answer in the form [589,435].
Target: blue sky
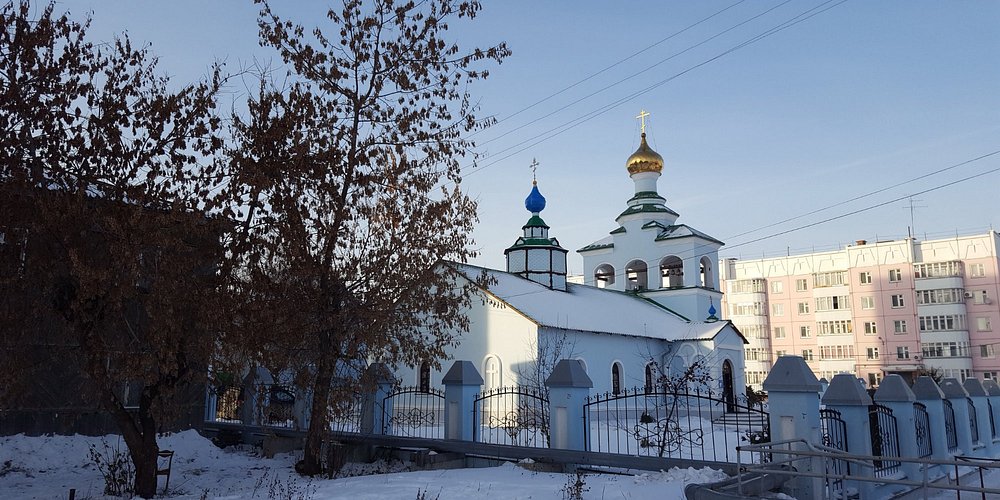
[858,98]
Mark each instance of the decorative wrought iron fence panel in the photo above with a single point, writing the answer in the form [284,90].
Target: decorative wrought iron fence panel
[949,424]
[410,411]
[922,424]
[345,409]
[885,439]
[275,406]
[973,420]
[227,404]
[692,425]
[517,416]
[993,421]
[833,431]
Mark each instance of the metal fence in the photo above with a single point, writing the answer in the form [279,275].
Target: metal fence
[345,409]
[993,422]
[517,416]
[885,439]
[949,424]
[973,420]
[688,425]
[922,428]
[227,404]
[834,435]
[413,412]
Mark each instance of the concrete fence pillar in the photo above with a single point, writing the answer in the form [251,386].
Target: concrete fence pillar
[977,393]
[929,394]
[993,393]
[569,386]
[959,398]
[894,394]
[793,405]
[461,384]
[378,382]
[848,396]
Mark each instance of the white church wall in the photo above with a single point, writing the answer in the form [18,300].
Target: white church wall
[600,351]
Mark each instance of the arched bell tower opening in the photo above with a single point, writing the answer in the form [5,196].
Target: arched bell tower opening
[636,276]
[671,272]
[707,278]
[604,276]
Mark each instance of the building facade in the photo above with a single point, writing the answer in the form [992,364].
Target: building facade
[871,309]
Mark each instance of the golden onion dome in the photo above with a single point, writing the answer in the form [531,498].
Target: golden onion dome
[644,159]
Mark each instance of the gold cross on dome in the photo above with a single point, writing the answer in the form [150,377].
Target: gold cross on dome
[534,168]
[642,119]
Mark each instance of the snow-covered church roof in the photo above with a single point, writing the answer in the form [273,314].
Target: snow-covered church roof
[591,309]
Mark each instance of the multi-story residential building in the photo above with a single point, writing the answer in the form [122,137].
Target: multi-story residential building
[872,309]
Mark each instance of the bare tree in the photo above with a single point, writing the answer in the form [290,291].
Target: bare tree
[345,192]
[110,258]
[543,354]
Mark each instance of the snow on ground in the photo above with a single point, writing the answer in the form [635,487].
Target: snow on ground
[48,466]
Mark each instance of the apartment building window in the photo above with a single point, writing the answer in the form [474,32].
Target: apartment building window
[990,376]
[836,352]
[779,332]
[835,278]
[807,354]
[801,285]
[780,353]
[873,353]
[755,285]
[803,308]
[942,323]
[902,352]
[840,327]
[747,309]
[805,332]
[874,379]
[983,324]
[941,296]
[980,297]
[938,270]
[987,351]
[865,278]
[960,374]
[778,309]
[871,328]
[977,270]
[899,326]
[945,349]
[868,302]
[777,287]
[756,377]
[895,275]
[756,354]
[897,301]
[835,303]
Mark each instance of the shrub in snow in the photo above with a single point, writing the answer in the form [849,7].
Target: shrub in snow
[115,466]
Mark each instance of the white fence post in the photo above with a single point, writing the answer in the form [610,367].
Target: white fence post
[461,384]
[848,396]
[793,404]
[957,395]
[568,387]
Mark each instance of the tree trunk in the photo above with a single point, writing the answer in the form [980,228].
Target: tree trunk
[142,448]
[312,458]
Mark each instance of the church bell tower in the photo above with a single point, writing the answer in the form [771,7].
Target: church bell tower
[534,255]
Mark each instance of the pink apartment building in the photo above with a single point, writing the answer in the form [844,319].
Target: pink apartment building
[872,308]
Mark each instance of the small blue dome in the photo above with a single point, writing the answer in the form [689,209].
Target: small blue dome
[535,202]
[711,310]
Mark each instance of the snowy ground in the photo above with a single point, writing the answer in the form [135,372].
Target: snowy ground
[49,466]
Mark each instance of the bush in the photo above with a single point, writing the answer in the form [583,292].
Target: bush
[115,465]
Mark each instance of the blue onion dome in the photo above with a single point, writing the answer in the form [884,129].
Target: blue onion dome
[535,202]
[711,310]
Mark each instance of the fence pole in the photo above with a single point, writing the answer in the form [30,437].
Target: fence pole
[894,394]
[848,396]
[372,413]
[461,384]
[954,392]
[569,386]
[981,401]
[793,402]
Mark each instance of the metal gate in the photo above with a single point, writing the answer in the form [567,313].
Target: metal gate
[885,439]
[414,412]
[516,415]
[834,435]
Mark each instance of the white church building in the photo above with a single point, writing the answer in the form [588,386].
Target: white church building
[648,305]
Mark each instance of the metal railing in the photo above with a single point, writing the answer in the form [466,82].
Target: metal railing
[949,424]
[922,428]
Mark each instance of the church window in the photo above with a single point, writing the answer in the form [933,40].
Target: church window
[650,384]
[707,276]
[491,368]
[424,377]
[604,275]
[671,272]
[636,276]
[616,378]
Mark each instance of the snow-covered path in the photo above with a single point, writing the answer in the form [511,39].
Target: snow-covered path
[48,466]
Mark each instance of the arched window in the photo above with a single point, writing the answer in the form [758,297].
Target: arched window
[650,385]
[491,370]
[424,377]
[616,378]
[707,275]
[604,275]
[636,276]
[671,272]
